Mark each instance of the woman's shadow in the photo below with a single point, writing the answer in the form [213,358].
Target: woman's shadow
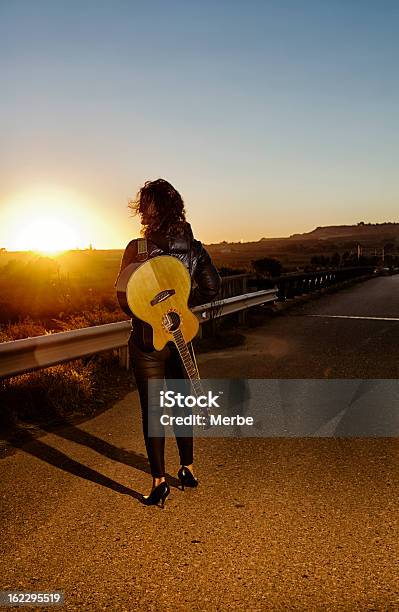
[31,444]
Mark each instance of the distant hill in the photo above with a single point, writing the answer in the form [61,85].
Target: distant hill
[296,252]
[361,230]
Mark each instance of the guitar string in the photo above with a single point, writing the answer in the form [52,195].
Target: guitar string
[187,360]
[191,369]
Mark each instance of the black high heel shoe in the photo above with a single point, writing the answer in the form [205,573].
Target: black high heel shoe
[186,478]
[158,494]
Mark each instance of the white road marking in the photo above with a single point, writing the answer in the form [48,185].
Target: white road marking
[353,317]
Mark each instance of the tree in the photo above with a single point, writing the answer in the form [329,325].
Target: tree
[267,266]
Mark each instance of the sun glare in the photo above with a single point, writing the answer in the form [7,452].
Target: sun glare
[46,235]
[48,221]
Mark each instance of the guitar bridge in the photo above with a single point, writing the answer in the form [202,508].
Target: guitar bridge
[161,296]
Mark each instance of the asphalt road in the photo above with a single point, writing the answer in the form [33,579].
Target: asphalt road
[301,345]
[276,524]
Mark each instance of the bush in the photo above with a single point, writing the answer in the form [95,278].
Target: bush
[48,394]
[267,266]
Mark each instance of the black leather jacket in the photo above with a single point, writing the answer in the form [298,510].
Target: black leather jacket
[206,281]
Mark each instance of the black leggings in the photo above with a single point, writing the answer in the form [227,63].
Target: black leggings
[164,364]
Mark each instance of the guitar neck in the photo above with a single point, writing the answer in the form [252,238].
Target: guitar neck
[192,372]
[188,363]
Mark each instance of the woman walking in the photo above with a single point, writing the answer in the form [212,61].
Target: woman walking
[164,226]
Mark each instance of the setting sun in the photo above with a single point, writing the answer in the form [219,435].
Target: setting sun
[46,235]
[48,220]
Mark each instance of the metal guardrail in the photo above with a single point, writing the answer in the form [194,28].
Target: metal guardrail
[233,304]
[235,284]
[289,287]
[20,356]
[292,285]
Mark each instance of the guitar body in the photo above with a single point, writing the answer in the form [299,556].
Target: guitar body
[157,291]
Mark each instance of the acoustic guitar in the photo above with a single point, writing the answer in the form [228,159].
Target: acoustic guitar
[157,291]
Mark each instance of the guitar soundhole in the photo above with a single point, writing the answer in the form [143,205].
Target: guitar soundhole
[172,321]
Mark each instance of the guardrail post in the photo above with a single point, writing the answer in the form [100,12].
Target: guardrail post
[242,317]
[290,288]
[124,357]
[281,290]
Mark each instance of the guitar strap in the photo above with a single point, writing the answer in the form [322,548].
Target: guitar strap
[142,249]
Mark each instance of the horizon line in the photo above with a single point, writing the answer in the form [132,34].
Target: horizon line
[91,246]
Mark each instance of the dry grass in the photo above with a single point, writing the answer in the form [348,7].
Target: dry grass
[25,329]
[28,327]
[60,391]
[46,394]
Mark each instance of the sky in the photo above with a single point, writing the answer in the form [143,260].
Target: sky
[269,117]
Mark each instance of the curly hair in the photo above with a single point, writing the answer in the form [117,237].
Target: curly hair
[160,207]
